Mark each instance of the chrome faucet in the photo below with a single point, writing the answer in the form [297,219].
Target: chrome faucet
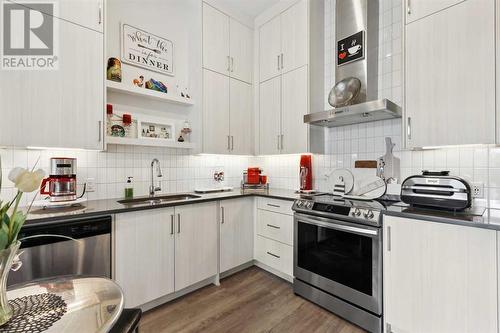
[152,187]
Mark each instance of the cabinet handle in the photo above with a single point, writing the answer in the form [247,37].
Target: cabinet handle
[278,62]
[282,61]
[222,218]
[178,223]
[228,64]
[172,224]
[388,328]
[228,142]
[232,64]
[100,130]
[278,142]
[100,13]
[408,123]
[274,255]
[408,7]
[281,137]
[275,206]
[232,142]
[273,226]
[388,238]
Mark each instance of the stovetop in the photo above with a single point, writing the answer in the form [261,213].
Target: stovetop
[330,206]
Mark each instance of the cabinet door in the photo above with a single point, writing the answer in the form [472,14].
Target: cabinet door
[216,139]
[417,9]
[62,107]
[196,244]
[294,32]
[295,106]
[241,49]
[87,13]
[450,94]
[236,233]
[215,40]
[439,277]
[270,49]
[144,255]
[241,118]
[269,116]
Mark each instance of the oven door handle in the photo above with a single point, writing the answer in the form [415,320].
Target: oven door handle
[341,227]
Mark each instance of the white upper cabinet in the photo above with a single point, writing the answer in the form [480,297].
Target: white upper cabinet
[87,13]
[416,9]
[241,118]
[236,232]
[227,45]
[57,108]
[270,117]
[295,105]
[216,137]
[294,32]
[284,41]
[270,49]
[241,51]
[450,77]
[215,40]
[439,277]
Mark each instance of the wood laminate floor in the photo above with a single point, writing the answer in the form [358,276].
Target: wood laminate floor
[252,300]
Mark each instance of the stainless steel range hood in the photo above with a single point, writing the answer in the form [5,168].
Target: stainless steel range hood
[357,29]
[380,109]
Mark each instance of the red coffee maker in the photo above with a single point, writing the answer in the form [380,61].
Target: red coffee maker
[305,173]
[61,181]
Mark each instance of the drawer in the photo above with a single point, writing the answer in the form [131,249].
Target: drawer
[274,254]
[275,205]
[278,227]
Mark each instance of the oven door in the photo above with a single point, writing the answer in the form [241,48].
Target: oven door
[340,258]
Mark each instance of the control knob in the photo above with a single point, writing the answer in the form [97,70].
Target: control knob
[300,203]
[309,205]
[357,212]
[369,214]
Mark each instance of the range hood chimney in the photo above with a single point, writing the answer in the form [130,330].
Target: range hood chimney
[357,31]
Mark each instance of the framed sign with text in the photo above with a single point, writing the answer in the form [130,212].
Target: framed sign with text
[143,49]
[351,48]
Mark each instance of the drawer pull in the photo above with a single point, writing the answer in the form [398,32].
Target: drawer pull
[273,226]
[272,254]
[275,206]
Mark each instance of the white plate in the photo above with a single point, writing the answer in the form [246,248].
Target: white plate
[48,204]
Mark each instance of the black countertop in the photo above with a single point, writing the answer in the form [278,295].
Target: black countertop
[94,208]
[477,217]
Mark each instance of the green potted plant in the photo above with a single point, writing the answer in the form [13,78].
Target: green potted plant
[11,220]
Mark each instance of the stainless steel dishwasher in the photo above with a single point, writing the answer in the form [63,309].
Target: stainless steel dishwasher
[53,253]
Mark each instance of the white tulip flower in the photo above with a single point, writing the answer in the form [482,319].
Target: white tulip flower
[26,181]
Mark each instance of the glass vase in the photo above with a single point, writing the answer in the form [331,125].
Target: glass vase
[7,257]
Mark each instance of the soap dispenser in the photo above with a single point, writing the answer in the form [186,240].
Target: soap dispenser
[129,188]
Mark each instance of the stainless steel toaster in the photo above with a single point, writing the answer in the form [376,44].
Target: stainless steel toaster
[437,190]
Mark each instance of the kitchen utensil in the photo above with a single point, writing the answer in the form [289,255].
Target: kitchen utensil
[305,173]
[371,188]
[61,182]
[388,167]
[344,92]
[341,181]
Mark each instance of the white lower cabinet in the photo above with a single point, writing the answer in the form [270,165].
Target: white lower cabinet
[144,254]
[236,232]
[439,277]
[159,251]
[274,235]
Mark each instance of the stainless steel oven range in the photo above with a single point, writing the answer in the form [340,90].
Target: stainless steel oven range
[338,257]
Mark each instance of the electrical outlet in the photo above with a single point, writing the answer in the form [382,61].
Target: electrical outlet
[478,190]
[90,185]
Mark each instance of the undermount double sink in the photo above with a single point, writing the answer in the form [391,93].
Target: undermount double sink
[159,199]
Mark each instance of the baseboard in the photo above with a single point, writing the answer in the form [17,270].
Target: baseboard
[236,269]
[274,271]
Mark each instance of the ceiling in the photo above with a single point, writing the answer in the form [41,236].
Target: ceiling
[249,8]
